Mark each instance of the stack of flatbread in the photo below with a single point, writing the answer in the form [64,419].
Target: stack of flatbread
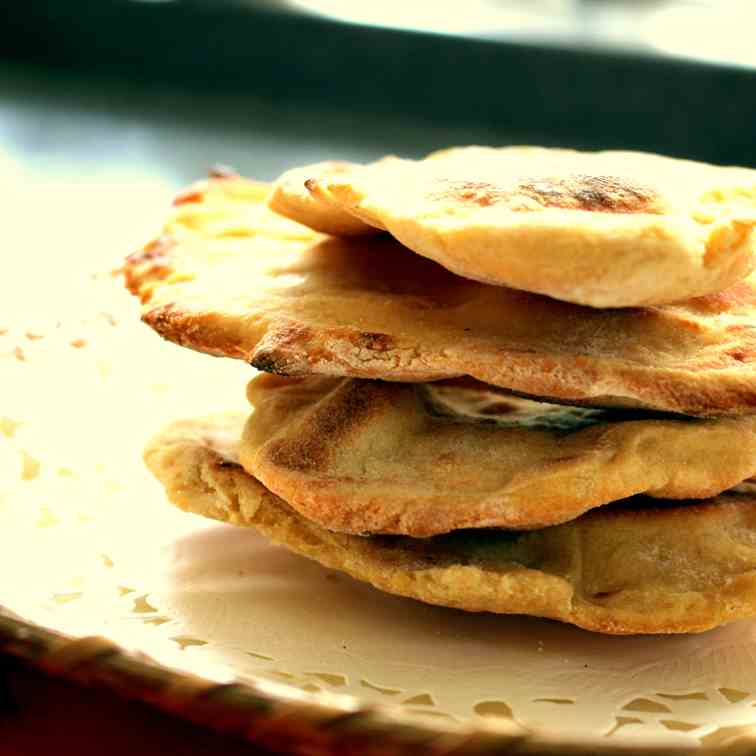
[517,380]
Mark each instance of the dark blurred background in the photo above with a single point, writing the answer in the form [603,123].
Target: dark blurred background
[185,83]
[107,106]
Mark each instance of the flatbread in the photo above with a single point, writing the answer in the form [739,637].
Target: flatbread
[373,457]
[641,567]
[229,277]
[606,229]
[290,197]
[202,210]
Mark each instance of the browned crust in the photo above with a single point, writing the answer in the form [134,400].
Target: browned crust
[292,349]
[152,263]
[605,229]
[696,358]
[602,572]
[606,194]
[361,456]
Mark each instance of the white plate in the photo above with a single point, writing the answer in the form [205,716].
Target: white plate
[90,546]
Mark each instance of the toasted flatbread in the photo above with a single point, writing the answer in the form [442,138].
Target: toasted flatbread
[291,197]
[644,566]
[374,457]
[229,277]
[606,229]
[202,210]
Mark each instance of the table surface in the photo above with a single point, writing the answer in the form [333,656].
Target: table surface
[40,715]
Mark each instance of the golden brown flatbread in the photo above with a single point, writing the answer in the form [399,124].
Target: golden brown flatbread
[373,457]
[228,277]
[643,566]
[291,197]
[201,210]
[606,229]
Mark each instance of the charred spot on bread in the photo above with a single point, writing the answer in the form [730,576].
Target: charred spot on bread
[607,194]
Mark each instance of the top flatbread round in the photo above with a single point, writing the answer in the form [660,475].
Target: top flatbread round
[229,277]
[605,229]
[290,197]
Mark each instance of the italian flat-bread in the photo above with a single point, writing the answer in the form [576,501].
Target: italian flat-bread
[291,197]
[644,566]
[361,456]
[606,229]
[229,277]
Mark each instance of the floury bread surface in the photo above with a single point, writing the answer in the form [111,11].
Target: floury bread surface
[643,566]
[229,277]
[605,229]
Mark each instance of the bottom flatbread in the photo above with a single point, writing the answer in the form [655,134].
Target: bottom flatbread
[641,566]
[370,457]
